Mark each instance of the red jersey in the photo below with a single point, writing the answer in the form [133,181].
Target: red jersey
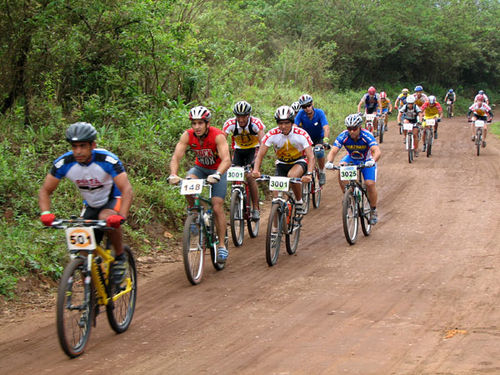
[206,152]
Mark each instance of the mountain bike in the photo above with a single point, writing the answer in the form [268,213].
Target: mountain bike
[449,104]
[355,204]
[283,218]
[381,127]
[199,230]
[241,205]
[85,286]
[369,119]
[479,125]
[312,190]
[410,141]
[429,134]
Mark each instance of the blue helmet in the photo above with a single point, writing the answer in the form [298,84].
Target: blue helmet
[419,88]
[450,91]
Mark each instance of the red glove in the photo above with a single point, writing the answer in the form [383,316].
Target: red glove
[47,219]
[115,221]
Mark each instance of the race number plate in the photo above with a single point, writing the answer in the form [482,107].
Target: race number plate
[190,187]
[430,121]
[279,183]
[370,117]
[408,126]
[236,174]
[80,238]
[448,102]
[348,172]
[479,124]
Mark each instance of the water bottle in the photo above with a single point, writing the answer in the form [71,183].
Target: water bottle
[206,217]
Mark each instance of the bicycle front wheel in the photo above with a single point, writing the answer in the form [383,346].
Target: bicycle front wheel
[193,248]
[236,218]
[316,190]
[409,142]
[364,213]
[381,127]
[75,308]
[350,217]
[429,139]
[121,310]
[274,234]
[479,136]
[293,235]
[253,226]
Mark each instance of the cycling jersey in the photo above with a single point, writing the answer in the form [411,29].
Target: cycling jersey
[314,126]
[410,114]
[431,111]
[385,103]
[289,148]
[420,100]
[480,109]
[360,149]
[246,137]
[206,152]
[402,99]
[450,97]
[371,101]
[486,100]
[95,179]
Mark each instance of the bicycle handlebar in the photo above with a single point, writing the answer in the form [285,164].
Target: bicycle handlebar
[358,166]
[65,223]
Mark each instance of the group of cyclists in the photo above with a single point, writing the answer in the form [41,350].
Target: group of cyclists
[107,192]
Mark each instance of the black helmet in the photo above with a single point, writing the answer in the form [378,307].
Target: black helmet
[81,132]
[242,108]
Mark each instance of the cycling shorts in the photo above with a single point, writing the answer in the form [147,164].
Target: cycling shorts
[244,156]
[484,118]
[283,169]
[369,174]
[220,188]
[412,120]
[370,110]
[384,110]
[321,153]
[92,213]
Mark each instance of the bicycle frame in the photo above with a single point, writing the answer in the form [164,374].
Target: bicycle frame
[198,206]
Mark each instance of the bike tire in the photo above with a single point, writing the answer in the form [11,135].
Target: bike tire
[293,235]
[306,197]
[479,138]
[218,266]
[350,217]
[253,226]
[381,127]
[409,141]
[237,221]
[74,320]
[193,248]
[365,211]
[316,191]
[121,311]
[273,239]
[429,142]
[449,111]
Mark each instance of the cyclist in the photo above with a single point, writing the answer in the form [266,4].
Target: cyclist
[485,97]
[371,101]
[420,97]
[411,113]
[386,107]
[479,111]
[292,146]
[452,97]
[401,99]
[103,184]
[296,107]
[361,147]
[212,161]
[432,109]
[314,122]
[247,132]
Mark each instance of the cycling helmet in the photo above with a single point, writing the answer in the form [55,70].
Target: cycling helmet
[383,95]
[481,92]
[405,91]
[410,99]
[419,88]
[432,99]
[353,121]
[450,91]
[81,132]
[305,99]
[242,108]
[200,113]
[284,113]
[296,106]
[480,97]
[372,90]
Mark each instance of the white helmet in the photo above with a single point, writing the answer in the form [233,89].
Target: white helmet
[353,121]
[296,106]
[305,99]
[410,99]
[284,113]
[432,99]
[200,113]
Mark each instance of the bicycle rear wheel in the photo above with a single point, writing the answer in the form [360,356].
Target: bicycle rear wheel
[121,311]
[236,218]
[350,217]
[429,139]
[293,235]
[449,111]
[253,226]
[479,136]
[193,248]
[316,190]
[75,308]
[409,142]
[364,213]
[274,234]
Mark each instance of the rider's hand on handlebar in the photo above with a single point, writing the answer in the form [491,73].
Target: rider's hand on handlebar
[114,221]
[329,165]
[306,178]
[214,178]
[255,174]
[47,218]
[369,163]
[173,179]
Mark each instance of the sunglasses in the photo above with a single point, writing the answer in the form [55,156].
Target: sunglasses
[306,105]
[353,129]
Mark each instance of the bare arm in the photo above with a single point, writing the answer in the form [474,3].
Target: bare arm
[180,150]
[310,157]
[223,150]
[258,160]
[331,155]
[376,153]
[123,184]
[49,185]
[360,103]
[326,129]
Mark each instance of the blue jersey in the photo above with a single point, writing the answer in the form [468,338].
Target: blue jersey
[371,102]
[314,126]
[95,179]
[360,149]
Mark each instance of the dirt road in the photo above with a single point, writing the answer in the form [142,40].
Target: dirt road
[421,295]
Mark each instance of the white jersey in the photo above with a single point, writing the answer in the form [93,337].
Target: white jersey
[289,148]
